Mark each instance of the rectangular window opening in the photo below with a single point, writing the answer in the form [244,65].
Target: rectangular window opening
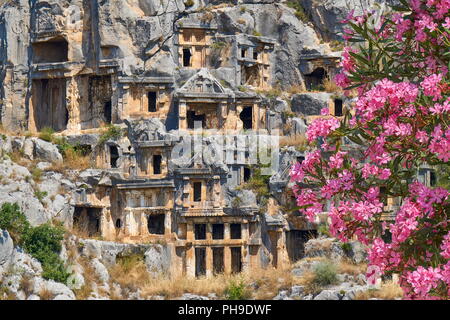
[197,191]
[200,231]
[157,159]
[235,231]
[218,231]
[151,101]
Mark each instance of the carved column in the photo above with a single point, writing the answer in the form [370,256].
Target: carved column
[227,260]
[190,251]
[217,198]
[209,261]
[182,115]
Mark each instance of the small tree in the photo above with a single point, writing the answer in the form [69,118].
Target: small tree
[398,65]
[13,220]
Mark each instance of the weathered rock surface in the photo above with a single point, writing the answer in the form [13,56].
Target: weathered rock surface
[6,249]
[46,151]
[310,104]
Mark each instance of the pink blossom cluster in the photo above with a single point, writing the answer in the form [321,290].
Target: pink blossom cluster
[321,128]
[440,144]
[375,171]
[430,86]
[386,94]
[423,280]
[402,122]
[441,108]
[445,246]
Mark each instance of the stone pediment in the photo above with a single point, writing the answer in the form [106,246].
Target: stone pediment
[204,83]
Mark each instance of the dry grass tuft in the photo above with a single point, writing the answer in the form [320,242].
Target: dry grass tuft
[299,141]
[331,86]
[45,294]
[72,161]
[351,268]
[388,291]
[270,281]
[130,272]
[26,285]
[90,277]
[296,88]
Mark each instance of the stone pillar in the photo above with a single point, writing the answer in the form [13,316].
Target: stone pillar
[143,230]
[209,261]
[239,124]
[245,232]
[255,116]
[280,257]
[245,258]
[182,115]
[245,248]
[167,223]
[226,231]
[217,199]
[222,114]
[227,260]
[190,251]
[209,232]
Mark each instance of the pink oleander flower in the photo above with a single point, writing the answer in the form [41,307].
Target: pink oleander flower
[440,144]
[430,86]
[447,23]
[342,80]
[321,128]
[445,246]
[423,281]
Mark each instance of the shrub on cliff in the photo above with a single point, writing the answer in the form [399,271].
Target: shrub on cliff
[42,243]
[14,221]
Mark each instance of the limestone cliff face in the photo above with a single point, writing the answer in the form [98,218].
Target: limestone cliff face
[137,37]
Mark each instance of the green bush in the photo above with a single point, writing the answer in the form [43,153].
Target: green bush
[13,220]
[36,174]
[299,11]
[44,244]
[236,291]
[46,134]
[113,132]
[324,229]
[325,273]
[40,195]
[189,3]
[347,247]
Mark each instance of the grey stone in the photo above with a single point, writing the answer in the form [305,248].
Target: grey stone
[298,126]
[17,143]
[5,144]
[328,295]
[44,166]
[358,252]
[55,288]
[157,259]
[6,248]
[25,264]
[28,149]
[47,151]
[100,270]
[297,291]
[282,295]
[189,296]
[324,247]
[310,104]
